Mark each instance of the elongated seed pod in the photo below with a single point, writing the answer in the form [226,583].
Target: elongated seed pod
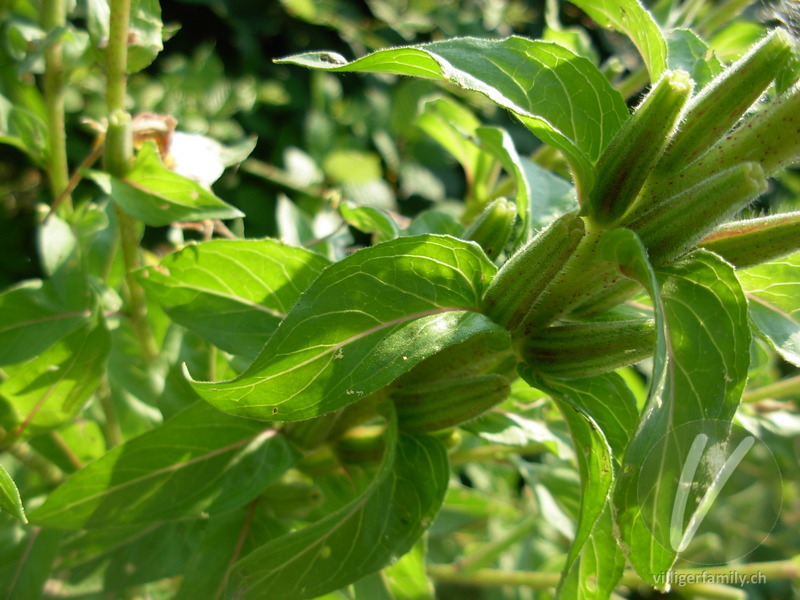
[492,229]
[755,241]
[587,349]
[524,277]
[443,404]
[719,105]
[675,226]
[627,161]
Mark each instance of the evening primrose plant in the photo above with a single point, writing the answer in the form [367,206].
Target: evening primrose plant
[564,368]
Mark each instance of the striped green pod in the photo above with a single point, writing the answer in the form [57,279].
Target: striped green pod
[627,161]
[755,241]
[444,404]
[676,225]
[719,105]
[587,349]
[492,229]
[524,277]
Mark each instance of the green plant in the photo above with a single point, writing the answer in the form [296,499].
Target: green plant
[247,418]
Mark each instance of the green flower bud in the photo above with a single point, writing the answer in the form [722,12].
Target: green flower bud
[676,225]
[492,229]
[443,404]
[523,278]
[627,161]
[720,104]
[587,349]
[755,241]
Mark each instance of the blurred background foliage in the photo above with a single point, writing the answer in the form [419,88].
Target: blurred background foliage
[323,139]
[320,137]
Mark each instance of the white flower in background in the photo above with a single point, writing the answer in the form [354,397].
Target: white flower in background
[195,157]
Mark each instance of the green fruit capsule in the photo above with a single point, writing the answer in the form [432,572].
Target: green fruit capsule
[524,277]
[720,104]
[755,241]
[443,404]
[587,349]
[627,161]
[492,229]
[676,225]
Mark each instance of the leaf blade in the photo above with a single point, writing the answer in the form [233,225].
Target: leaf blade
[363,322]
[232,292]
[155,476]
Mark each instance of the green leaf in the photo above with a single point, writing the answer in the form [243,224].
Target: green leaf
[582,578]
[452,125]
[9,496]
[199,460]
[27,562]
[23,129]
[407,579]
[699,372]
[689,53]
[360,538]
[558,95]
[605,398]
[33,318]
[49,390]
[363,322]
[498,142]
[632,19]
[157,196]
[772,290]
[232,292]
[370,220]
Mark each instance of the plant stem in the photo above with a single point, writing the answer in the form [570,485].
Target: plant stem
[783,569]
[137,306]
[54,15]
[111,427]
[50,473]
[779,389]
[117,57]
[118,158]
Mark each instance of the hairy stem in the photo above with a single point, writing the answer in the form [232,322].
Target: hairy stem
[779,389]
[53,15]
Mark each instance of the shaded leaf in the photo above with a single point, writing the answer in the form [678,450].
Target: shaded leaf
[772,291]
[370,220]
[583,575]
[700,368]
[232,292]
[363,322]
[362,537]
[49,390]
[33,318]
[157,196]
[605,398]
[9,496]
[632,19]
[198,460]
[559,96]
[26,563]
[689,53]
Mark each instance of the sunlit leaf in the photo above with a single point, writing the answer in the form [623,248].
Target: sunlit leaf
[362,537]
[772,291]
[232,292]
[632,19]
[9,496]
[157,196]
[198,460]
[559,96]
[363,322]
